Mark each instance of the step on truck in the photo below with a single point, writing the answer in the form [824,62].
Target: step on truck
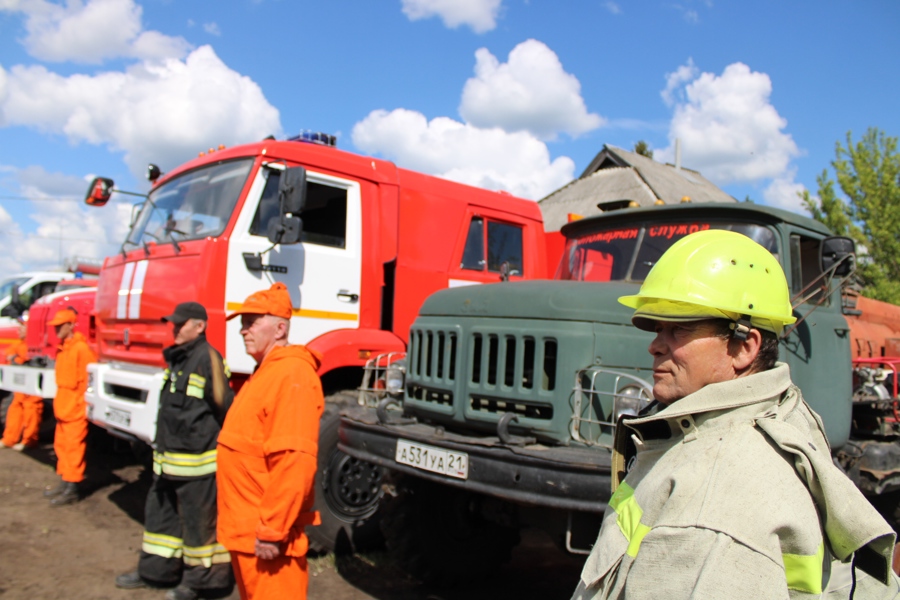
[501,415]
[358,242]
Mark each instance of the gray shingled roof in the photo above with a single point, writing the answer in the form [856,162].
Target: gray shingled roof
[617,174]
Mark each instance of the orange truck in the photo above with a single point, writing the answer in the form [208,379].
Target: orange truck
[359,243]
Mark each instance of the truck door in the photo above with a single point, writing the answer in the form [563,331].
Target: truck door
[323,272]
[818,350]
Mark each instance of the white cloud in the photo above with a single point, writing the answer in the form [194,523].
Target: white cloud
[613,7]
[91,31]
[480,15]
[784,192]
[675,81]
[162,112]
[65,227]
[728,128]
[212,29]
[531,92]
[491,158]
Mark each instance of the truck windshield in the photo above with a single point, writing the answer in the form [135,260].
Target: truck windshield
[628,253]
[7,285]
[195,205]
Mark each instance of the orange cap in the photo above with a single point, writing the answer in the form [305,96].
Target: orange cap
[66,315]
[274,301]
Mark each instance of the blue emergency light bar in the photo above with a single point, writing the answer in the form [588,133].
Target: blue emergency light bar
[315,137]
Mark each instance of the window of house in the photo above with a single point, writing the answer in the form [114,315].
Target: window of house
[489,247]
[324,215]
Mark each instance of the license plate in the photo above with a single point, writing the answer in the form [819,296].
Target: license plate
[118,417]
[436,460]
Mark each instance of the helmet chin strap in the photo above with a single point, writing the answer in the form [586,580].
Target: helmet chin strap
[741,328]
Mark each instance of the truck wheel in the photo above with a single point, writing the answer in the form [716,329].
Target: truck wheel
[439,535]
[348,491]
[5,401]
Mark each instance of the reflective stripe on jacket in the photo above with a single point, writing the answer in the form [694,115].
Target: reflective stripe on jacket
[725,497]
[192,405]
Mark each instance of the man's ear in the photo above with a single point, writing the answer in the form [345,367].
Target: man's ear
[744,352]
[203,325]
[281,329]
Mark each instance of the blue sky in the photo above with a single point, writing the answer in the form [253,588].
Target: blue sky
[507,94]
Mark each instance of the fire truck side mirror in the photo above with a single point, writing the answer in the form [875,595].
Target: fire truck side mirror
[285,231]
[99,191]
[838,253]
[292,191]
[15,308]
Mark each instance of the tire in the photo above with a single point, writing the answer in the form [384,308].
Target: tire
[5,401]
[439,535]
[348,491]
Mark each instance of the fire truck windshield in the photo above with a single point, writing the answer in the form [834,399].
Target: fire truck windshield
[7,285]
[195,205]
[627,253]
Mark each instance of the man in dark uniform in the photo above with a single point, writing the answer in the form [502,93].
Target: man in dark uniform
[180,545]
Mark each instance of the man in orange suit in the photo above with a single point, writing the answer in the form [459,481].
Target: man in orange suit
[23,419]
[267,455]
[72,360]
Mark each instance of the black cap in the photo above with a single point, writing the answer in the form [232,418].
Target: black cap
[185,311]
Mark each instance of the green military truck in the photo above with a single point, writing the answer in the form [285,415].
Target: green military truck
[506,413]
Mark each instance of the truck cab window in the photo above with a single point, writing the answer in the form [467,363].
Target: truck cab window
[324,216]
[473,255]
[805,266]
[504,245]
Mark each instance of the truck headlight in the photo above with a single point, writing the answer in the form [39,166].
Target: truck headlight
[395,378]
[630,400]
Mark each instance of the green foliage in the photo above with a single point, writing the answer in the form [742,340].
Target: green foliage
[867,173]
[643,149]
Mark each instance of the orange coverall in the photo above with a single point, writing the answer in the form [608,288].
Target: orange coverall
[267,466]
[69,408]
[23,418]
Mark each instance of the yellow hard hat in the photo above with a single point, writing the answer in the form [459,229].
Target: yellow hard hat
[714,274]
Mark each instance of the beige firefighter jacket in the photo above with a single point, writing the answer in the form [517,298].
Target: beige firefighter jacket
[731,492]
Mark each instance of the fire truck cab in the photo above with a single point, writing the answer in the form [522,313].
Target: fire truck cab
[359,243]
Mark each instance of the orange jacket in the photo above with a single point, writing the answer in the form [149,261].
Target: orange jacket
[17,352]
[72,360]
[267,454]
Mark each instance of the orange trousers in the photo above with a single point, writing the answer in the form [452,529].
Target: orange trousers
[284,578]
[69,445]
[23,420]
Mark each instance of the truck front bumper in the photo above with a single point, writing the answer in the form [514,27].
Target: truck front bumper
[567,478]
[124,399]
[34,381]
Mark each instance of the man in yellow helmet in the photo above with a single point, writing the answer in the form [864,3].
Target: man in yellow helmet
[724,487]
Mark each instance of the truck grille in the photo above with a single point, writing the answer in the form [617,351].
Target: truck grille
[498,372]
[432,355]
[532,410]
[513,361]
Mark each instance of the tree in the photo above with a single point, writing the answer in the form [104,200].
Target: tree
[867,173]
[641,147]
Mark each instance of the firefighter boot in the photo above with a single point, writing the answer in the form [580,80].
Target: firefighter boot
[55,491]
[69,495]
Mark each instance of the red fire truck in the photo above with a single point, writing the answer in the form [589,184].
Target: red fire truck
[37,377]
[359,243]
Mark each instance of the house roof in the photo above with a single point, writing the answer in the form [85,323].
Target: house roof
[619,175]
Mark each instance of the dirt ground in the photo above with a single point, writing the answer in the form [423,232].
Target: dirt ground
[75,552]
